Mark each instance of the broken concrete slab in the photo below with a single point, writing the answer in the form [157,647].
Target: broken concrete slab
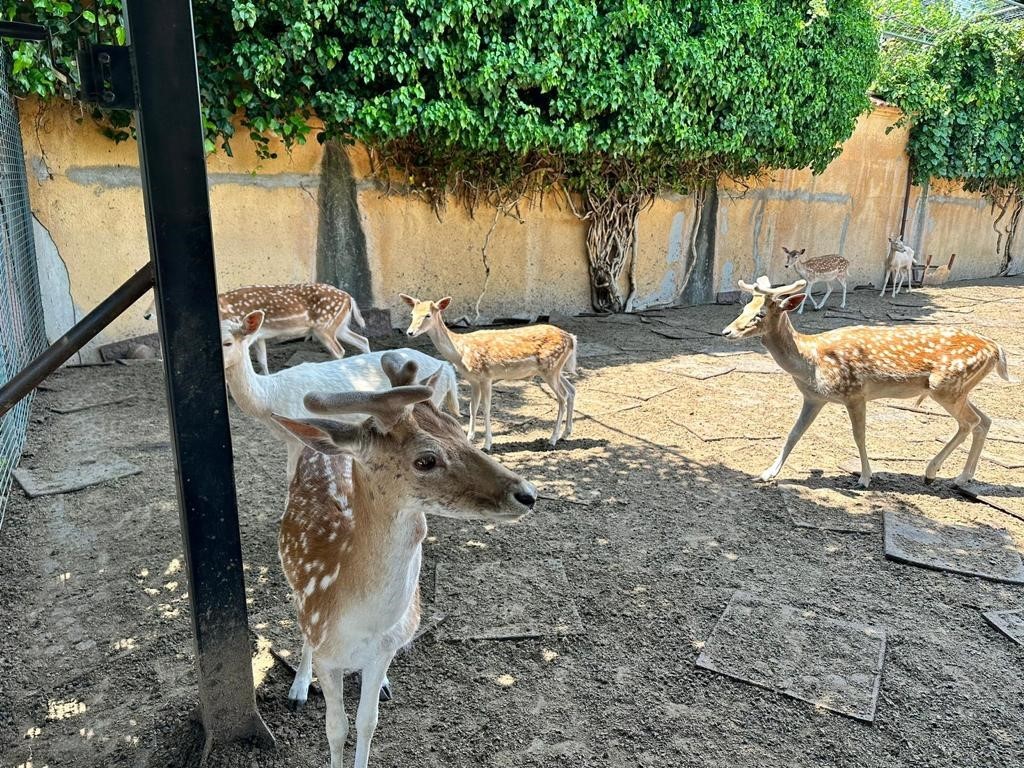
[973,550]
[833,664]
[758,364]
[84,406]
[73,478]
[506,601]
[1010,623]
[711,433]
[378,323]
[596,349]
[1003,461]
[832,509]
[1005,498]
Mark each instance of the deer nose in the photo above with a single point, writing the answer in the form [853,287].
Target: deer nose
[408,333]
[525,494]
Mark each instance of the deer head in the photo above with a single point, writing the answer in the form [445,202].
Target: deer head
[411,453]
[236,337]
[897,244]
[793,256]
[766,306]
[424,313]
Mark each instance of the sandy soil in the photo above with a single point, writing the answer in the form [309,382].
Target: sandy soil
[651,510]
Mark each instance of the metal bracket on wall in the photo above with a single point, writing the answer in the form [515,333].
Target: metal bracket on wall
[106,75]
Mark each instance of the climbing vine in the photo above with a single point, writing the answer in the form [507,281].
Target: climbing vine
[605,103]
[964,99]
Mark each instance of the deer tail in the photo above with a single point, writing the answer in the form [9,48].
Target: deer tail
[356,314]
[1002,366]
[570,363]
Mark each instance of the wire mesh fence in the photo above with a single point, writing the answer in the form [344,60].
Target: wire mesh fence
[22,332]
[930,20]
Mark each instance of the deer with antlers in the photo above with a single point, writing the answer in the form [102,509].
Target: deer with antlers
[484,357]
[901,264]
[294,311]
[351,535]
[820,269]
[859,363]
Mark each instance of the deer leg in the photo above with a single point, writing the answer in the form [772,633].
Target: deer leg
[966,421]
[978,434]
[373,676]
[570,404]
[910,279]
[808,413]
[843,305]
[554,381]
[487,415]
[261,355]
[474,406]
[885,282]
[807,295]
[328,340]
[303,677]
[828,293]
[357,340]
[332,683]
[857,410]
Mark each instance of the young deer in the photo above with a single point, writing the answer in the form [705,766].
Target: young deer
[484,357]
[282,392]
[902,263]
[350,540]
[860,363]
[294,311]
[819,269]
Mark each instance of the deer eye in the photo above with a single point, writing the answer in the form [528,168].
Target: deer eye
[226,344]
[426,462]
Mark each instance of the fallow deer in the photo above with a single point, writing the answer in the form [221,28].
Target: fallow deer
[484,357]
[859,363]
[351,535]
[819,269]
[282,392]
[294,311]
[901,263]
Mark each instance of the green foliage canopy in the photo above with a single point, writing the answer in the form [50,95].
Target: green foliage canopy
[459,90]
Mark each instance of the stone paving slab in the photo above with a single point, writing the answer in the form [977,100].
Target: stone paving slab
[833,664]
[698,367]
[1010,623]
[75,477]
[1005,498]
[969,549]
[506,600]
[831,509]
[596,349]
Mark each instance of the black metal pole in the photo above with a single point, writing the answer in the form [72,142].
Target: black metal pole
[169,125]
[83,331]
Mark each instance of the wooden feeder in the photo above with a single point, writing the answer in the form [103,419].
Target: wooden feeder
[929,274]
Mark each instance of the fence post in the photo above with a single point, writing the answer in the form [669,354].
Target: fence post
[170,135]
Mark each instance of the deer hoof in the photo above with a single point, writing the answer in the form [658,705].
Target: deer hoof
[385,692]
[296,705]
[928,480]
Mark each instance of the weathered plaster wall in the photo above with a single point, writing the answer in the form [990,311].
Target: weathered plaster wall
[313,213]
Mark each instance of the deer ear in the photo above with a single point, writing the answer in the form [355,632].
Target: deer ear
[443,303]
[252,322]
[789,303]
[803,251]
[433,379]
[408,299]
[322,435]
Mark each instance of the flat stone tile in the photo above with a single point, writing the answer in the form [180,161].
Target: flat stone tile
[75,477]
[596,349]
[833,664]
[1010,623]
[699,367]
[973,549]
[1005,498]
[832,509]
[506,600]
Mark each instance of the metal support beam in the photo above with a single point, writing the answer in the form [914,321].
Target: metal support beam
[170,136]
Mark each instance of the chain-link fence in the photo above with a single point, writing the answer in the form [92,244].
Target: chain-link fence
[22,333]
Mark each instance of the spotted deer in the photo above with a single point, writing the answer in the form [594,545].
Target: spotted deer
[484,357]
[351,535]
[282,392]
[819,269]
[901,263]
[859,363]
[294,311]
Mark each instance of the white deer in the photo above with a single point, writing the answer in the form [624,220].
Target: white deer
[859,363]
[282,392]
[351,535]
[484,357]
[902,263]
[819,269]
[294,311]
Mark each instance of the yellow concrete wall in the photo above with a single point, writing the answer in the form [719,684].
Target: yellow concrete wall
[85,192]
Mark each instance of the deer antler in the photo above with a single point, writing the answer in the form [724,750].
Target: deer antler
[387,407]
[763,287]
[398,374]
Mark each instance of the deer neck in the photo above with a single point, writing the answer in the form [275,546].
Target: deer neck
[447,343]
[246,387]
[787,347]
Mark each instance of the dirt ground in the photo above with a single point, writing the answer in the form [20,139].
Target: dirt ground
[651,510]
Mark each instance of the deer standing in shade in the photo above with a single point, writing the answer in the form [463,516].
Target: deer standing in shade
[859,363]
[484,357]
[351,537]
[901,264]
